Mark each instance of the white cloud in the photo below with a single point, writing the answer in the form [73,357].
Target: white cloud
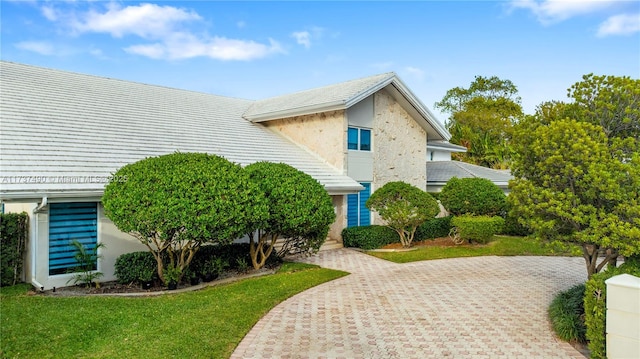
[623,24]
[552,11]
[145,20]
[415,72]
[184,45]
[165,27]
[302,38]
[40,47]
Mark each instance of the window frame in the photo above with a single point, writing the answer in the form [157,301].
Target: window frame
[359,144]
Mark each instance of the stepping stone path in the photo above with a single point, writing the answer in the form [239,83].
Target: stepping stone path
[479,307]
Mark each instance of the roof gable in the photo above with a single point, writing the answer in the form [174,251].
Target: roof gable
[343,95]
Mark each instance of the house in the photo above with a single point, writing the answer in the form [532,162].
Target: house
[63,134]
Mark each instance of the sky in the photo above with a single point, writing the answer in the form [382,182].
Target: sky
[256,50]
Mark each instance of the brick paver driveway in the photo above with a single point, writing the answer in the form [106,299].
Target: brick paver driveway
[482,307]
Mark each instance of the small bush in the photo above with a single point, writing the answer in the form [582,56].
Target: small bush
[434,228]
[567,314]
[595,306]
[369,237]
[230,254]
[132,267]
[478,228]
[511,225]
[13,239]
[476,196]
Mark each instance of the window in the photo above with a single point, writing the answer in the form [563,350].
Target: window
[69,221]
[357,213]
[359,139]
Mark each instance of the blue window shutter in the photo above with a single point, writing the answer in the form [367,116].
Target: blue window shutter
[365,140]
[352,210]
[69,221]
[365,214]
[352,138]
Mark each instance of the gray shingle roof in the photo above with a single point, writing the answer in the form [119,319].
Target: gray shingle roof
[57,127]
[343,95]
[335,96]
[439,172]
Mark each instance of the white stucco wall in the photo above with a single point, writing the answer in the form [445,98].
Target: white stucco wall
[116,243]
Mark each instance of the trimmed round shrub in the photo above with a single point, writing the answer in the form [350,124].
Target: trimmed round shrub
[130,267]
[476,196]
[403,207]
[478,228]
[434,228]
[566,313]
[369,237]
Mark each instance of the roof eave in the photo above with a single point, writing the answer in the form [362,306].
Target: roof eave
[31,196]
[299,111]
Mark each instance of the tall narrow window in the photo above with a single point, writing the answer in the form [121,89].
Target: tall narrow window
[359,139]
[68,222]
[357,213]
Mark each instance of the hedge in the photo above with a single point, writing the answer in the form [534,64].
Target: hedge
[14,230]
[434,228]
[478,228]
[595,306]
[369,237]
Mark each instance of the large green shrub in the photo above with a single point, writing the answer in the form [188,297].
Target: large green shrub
[132,267]
[14,229]
[175,203]
[404,208]
[477,196]
[478,228]
[595,306]
[369,237]
[434,228]
[567,314]
[300,211]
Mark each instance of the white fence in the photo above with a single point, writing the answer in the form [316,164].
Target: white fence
[623,317]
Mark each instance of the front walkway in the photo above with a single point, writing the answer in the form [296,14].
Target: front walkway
[481,307]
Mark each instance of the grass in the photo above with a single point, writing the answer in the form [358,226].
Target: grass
[499,246]
[207,323]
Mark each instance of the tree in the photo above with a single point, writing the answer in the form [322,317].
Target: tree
[299,210]
[481,119]
[612,102]
[175,203]
[475,196]
[404,208]
[571,187]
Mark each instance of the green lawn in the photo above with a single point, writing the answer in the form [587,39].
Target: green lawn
[203,324]
[499,246]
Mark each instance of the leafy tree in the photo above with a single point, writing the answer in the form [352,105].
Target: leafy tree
[404,208]
[300,211]
[482,118]
[571,187]
[175,203]
[475,196]
[612,102]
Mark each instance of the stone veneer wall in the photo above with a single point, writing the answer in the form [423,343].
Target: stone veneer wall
[399,146]
[321,133]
